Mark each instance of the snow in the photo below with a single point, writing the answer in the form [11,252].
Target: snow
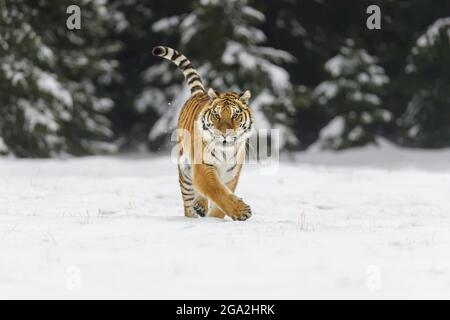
[356,133]
[251,33]
[168,121]
[429,37]
[297,29]
[366,97]
[235,53]
[150,97]
[276,55]
[348,63]
[48,83]
[209,2]
[3,147]
[385,114]
[35,115]
[327,88]
[103,105]
[333,129]
[366,223]
[258,103]
[165,24]
[335,66]
[278,76]
[190,27]
[252,12]
[13,70]
[45,53]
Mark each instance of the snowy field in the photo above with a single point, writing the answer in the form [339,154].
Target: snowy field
[358,224]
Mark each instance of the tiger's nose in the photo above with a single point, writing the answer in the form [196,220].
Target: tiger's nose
[228,138]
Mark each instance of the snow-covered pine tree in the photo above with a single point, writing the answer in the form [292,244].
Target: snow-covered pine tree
[296,27]
[139,102]
[352,98]
[225,43]
[427,116]
[48,97]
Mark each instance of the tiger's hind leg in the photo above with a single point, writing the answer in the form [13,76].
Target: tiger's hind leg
[187,191]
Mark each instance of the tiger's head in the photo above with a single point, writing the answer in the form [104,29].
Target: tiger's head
[228,119]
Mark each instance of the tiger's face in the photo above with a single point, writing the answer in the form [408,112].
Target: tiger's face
[228,119]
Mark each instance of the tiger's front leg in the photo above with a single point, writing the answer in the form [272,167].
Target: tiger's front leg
[207,182]
[215,211]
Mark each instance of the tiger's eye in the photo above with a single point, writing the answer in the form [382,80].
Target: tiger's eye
[215,114]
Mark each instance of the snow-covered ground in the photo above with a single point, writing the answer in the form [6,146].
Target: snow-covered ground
[359,224]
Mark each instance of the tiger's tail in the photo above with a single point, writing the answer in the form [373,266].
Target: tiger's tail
[192,77]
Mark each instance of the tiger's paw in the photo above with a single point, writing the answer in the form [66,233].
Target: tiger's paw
[200,206]
[239,210]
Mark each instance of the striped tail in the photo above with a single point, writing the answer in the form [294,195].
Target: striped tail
[192,77]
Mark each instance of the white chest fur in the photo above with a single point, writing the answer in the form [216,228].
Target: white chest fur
[226,160]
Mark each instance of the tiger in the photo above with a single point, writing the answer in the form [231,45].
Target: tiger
[212,133]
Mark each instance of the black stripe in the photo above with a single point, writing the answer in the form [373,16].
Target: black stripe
[195,88]
[232,168]
[187,188]
[184,188]
[185,174]
[249,120]
[176,55]
[236,153]
[188,193]
[188,199]
[194,78]
[191,74]
[185,193]
[214,155]
[208,164]
[186,178]
[187,66]
[204,125]
[183,61]
[244,116]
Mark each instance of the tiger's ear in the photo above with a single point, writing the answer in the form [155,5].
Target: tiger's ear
[245,96]
[212,94]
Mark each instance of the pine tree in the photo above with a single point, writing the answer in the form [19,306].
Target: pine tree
[352,98]
[138,95]
[224,41]
[49,77]
[427,116]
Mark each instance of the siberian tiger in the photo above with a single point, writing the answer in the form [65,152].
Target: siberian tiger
[213,129]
